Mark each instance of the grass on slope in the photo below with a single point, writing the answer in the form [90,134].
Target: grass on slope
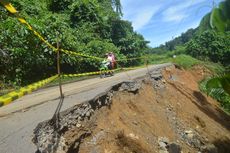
[188,62]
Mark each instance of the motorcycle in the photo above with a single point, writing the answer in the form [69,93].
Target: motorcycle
[105,70]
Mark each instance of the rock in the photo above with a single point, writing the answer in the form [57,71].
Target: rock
[157,76]
[192,138]
[162,145]
[163,151]
[174,148]
[88,114]
[78,125]
[188,131]
[130,86]
[189,134]
[210,148]
[163,142]
[133,136]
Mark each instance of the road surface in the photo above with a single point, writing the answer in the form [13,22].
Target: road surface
[18,119]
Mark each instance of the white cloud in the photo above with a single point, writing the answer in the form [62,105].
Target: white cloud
[143,17]
[139,12]
[177,13]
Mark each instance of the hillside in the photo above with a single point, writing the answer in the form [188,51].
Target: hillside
[218,20]
[162,112]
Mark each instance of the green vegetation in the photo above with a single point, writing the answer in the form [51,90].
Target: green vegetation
[172,45]
[218,88]
[207,45]
[95,27]
[92,27]
[211,45]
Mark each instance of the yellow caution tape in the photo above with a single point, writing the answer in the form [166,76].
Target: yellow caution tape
[133,68]
[129,59]
[8,6]
[80,54]
[11,9]
[89,73]
[8,98]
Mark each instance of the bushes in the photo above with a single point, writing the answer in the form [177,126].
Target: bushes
[211,45]
[214,88]
[83,26]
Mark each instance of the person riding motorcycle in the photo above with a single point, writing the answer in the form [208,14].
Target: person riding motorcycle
[107,64]
[112,60]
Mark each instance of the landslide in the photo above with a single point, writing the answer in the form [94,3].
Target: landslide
[163,112]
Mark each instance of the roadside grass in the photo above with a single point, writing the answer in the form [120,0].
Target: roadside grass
[182,60]
[187,62]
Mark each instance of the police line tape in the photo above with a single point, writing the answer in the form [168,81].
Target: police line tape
[135,58]
[80,54]
[133,68]
[8,98]
[12,10]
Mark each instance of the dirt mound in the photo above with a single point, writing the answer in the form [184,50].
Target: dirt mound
[164,112]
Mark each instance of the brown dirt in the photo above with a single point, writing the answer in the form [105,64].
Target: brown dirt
[135,122]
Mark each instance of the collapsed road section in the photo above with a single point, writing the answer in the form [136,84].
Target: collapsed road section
[162,112]
[19,119]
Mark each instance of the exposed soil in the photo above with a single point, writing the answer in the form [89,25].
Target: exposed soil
[165,112]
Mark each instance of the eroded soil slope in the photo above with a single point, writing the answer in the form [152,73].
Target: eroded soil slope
[164,112]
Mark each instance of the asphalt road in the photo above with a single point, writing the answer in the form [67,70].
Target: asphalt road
[18,119]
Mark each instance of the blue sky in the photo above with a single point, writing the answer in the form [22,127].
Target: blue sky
[161,20]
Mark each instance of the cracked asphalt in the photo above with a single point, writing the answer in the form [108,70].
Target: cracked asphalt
[18,119]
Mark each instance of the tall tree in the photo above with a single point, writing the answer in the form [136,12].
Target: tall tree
[118,7]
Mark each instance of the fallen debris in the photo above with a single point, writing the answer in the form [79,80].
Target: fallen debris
[148,115]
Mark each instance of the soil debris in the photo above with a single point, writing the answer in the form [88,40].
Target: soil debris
[159,113]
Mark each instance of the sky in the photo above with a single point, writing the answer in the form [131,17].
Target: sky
[161,20]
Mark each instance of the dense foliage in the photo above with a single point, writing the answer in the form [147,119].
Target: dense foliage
[209,41]
[211,45]
[92,27]
[182,39]
[218,88]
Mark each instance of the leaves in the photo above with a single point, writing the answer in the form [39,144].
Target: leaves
[86,26]
[212,45]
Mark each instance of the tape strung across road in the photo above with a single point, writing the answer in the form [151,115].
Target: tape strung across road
[12,10]
[80,54]
[8,98]
[90,73]
[130,59]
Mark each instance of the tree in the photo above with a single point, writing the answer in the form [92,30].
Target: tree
[85,26]
[117,6]
[212,45]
